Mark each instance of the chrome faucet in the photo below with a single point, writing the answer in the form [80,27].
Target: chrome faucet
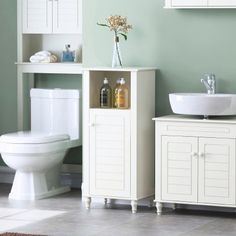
[209,80]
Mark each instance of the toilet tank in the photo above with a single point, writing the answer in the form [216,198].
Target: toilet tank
[55,111]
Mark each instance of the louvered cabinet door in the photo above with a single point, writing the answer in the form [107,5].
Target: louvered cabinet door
[179,168]
[217,171]
[110,153]
[67,16]
[37,16]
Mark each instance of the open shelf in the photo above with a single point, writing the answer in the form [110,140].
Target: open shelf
[96,82]
[50,68]
[54,43]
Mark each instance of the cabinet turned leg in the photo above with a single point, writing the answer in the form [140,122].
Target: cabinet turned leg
[88,203]
[105,201]
[151,202]
[134,206]
[159,208]
[174,207]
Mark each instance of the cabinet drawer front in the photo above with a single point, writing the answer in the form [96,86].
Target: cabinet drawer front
[37,16]
[179,168]
[110,153]
[217,171]
[196,129]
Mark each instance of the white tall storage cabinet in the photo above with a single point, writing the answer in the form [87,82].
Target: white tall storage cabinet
[118,145]
[195,161]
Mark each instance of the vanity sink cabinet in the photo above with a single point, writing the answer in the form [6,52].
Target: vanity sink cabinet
[118,144]
[200,3]
[51,16]
[195,161]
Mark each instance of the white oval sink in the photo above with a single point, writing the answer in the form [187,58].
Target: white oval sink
[203,104]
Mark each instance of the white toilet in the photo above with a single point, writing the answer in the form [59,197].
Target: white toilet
[37,155]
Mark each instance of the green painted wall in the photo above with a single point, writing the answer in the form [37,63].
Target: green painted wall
[8,50]
[183,44]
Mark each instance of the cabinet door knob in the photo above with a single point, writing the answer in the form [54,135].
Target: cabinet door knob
[194,154]
[201,154]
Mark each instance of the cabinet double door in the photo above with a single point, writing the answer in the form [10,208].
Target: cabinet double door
[51,16]
[198,170]
[110,156]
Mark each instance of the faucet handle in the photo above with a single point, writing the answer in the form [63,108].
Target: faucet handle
[208,77]
[212,76]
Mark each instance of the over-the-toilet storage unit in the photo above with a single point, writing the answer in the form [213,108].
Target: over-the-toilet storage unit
[118,145]
[45,25]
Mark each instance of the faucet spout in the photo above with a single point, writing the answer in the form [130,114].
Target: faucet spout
[209,81]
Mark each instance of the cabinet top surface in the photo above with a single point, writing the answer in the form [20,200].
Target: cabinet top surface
[196,119]
[125,69]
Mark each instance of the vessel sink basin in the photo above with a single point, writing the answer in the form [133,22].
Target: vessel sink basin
[203,104]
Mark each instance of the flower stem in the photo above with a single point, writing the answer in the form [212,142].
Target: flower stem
[117,49]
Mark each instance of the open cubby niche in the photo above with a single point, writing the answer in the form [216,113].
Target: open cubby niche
[55,43]
[96,82]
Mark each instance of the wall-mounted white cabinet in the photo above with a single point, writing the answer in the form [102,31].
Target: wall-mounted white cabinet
[118,144]
[195,161]
[200,3]
[51,16]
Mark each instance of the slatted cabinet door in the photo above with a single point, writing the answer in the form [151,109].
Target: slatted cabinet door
[67,16]
[37,16]
[179,168]
[110,153]
[217,171]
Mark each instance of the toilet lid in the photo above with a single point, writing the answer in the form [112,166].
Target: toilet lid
[32,137]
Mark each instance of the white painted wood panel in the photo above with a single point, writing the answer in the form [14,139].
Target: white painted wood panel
[217,175]
[188,3]
[197,129]
[67,16]
[222,3]
[179,176]
[37,16]
[110,155]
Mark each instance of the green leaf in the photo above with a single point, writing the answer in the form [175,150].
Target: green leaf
[124,35]
[105,25]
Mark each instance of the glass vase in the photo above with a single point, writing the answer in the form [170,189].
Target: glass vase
[116,57]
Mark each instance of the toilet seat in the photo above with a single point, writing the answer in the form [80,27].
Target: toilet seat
[33,142]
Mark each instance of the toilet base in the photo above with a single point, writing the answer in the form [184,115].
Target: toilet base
[36,185]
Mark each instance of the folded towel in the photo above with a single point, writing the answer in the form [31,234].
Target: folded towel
[43,57]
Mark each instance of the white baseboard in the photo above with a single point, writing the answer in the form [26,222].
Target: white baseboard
[71,175]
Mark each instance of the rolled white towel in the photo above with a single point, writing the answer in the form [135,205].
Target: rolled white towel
[43,53]
[41,58]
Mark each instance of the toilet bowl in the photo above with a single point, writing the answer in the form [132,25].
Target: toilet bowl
[37,155]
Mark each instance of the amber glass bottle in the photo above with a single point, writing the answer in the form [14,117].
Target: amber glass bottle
[122,98]
[115,92]
[105,95]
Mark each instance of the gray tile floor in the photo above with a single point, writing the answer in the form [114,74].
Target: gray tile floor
[65,215]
